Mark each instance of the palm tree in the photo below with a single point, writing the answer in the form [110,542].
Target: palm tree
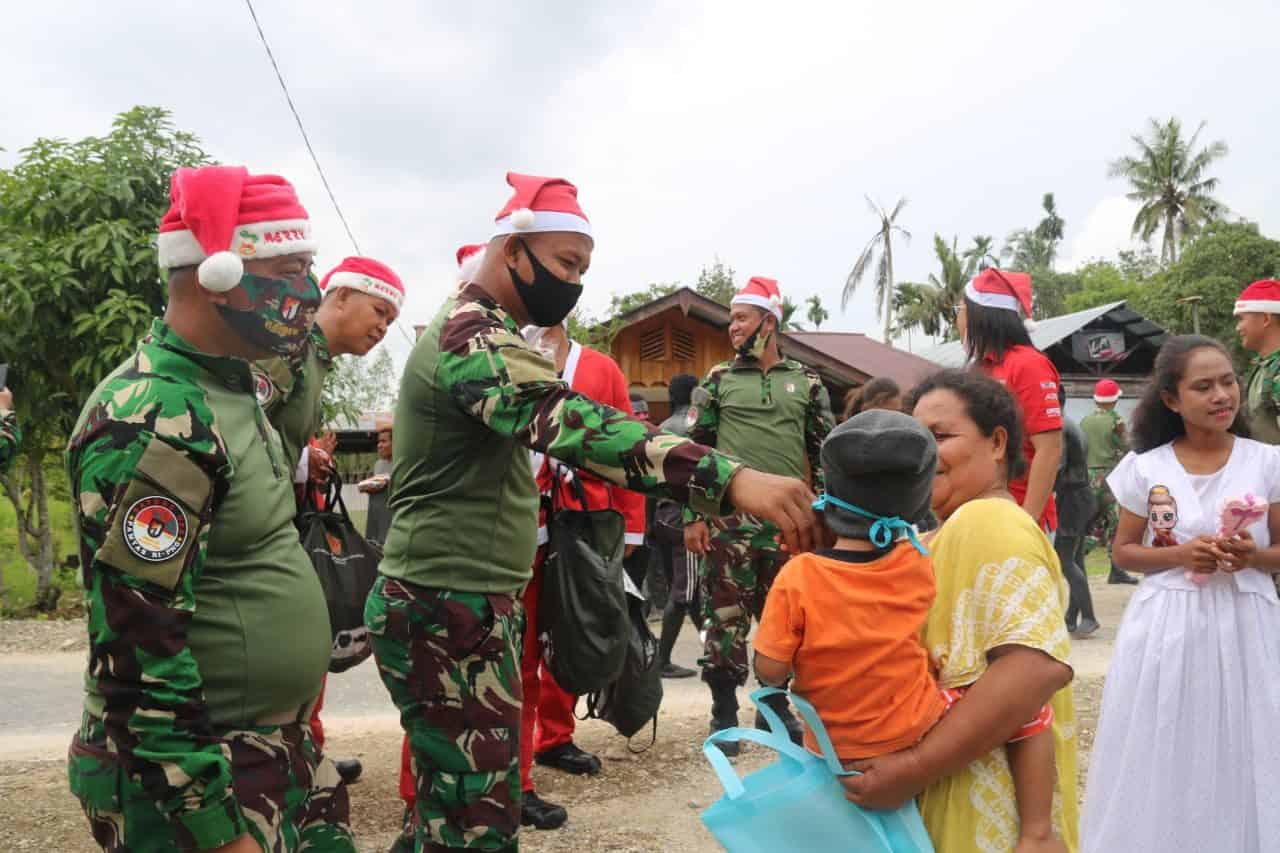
[1169,178]
[932,306]
[789,310]
[1036,248]
[879,251]
[982,252]
[1050,229]
[817,314]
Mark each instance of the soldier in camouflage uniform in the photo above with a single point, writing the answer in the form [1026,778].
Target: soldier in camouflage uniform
[773,414]
[445,615]
[1258,324]
[362,298]
[1106,444]
[208,631]
[10,434]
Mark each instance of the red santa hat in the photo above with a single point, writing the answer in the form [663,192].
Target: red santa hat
[367,276]
[221,214]
[470,257]
[1261,297]
[541,204]
[1008,291]
[762,293]
[1106,391]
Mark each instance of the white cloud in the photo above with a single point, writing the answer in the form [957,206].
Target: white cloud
[1106,232]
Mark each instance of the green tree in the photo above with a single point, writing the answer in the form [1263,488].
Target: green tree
[716,282]
[1225,258]
[358,386]
[789,310]
[1102,282]
[932,306]
[1170,179]
[816,313]
[982,252]
[78,287]
[1029,249]
[878,253]
[1052,290]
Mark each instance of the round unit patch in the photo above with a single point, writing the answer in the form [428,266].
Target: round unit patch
[262,389]
[155,529]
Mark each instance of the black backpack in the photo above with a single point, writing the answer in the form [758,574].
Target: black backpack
[633,699]
[582,607]
[347,565]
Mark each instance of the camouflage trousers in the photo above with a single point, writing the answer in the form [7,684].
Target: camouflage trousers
[290,796]
[734,578]
[451,661]
[1102,530]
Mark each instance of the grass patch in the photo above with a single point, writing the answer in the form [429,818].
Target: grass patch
[1098,562]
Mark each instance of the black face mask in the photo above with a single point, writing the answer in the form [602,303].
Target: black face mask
[548,299]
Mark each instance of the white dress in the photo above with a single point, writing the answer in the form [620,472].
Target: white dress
[1187,753]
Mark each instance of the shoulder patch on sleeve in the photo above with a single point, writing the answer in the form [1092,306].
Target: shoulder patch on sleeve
[154,525]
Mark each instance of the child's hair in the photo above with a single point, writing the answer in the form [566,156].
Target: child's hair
[992,331]
[1154,423]
[872,395]
[987,403]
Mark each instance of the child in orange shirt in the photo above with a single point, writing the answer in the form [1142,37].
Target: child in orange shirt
[847,621]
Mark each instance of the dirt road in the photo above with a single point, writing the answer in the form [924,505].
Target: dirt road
[650,804]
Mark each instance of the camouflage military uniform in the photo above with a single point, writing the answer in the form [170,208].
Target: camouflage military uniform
[774,421]
[10,438]
[445,617]
[208,633]
[1107,445]
[289,391]
[1262,399]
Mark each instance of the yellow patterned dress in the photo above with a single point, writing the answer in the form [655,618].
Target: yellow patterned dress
[999,584]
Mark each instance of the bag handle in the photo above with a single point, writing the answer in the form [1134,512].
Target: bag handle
[733,786]
[811,717]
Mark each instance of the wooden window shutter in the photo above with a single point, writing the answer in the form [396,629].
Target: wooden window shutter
[653,345]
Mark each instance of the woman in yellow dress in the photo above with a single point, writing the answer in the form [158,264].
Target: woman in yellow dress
[997,624]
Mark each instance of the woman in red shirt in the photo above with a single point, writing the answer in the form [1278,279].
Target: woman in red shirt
[992,322]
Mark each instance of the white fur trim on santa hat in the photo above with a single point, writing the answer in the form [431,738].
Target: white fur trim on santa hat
[1257,306]
[525,221]
[1110,399]
[366,284]
[772,304]
[1005,301]
[250,242]
[470,266]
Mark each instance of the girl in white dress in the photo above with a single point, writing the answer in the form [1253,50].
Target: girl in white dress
[1187,753]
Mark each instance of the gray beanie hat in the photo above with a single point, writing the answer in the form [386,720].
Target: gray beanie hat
[882,462]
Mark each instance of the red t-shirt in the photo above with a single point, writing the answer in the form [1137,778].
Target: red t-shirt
[1033,381]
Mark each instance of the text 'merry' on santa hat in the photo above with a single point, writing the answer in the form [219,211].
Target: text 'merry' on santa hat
[219,215]
[1006,291]
[762,293]
[1107,391]
[367,276]
[1261,297]
[540,205]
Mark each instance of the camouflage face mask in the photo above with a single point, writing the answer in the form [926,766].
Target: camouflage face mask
[274,314]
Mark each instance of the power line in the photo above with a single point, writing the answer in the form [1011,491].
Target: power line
[307,141]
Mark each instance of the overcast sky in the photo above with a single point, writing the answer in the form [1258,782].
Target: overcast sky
[748,131]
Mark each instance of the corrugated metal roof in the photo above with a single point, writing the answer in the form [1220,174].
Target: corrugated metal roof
[1044,335]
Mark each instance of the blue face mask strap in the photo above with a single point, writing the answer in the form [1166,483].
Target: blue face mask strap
[884,530]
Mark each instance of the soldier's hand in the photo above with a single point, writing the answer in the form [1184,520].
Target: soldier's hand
[6,399]
[785,501]
[697,537]
[243,844]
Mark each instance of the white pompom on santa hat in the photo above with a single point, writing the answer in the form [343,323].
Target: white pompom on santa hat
[220,215]
[762,293]
[539,205]
[1261,297]
[1007,291]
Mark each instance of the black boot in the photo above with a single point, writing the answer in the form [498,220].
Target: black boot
[538,813]
[349,769]
[779,705]
[1118,576]
[724,710]
[672,619]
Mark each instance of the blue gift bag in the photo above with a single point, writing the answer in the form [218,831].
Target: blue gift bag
[797,804]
